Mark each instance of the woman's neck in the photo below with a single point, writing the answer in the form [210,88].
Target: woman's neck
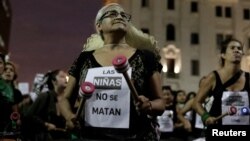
[114,45]
[59,91]
[114,39]
[8,81]
[232,69]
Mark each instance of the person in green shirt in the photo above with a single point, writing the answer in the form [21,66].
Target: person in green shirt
[7,105]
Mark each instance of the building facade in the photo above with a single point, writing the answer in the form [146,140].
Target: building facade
[190,32]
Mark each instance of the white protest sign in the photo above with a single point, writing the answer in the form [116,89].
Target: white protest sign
[238,100]
[24,87]
[166,121]
[109,105]
[198,122]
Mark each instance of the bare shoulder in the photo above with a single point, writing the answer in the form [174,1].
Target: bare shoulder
[208,80]
[211,76]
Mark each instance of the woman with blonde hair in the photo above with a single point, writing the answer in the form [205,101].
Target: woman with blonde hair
[134,37]
[116,36]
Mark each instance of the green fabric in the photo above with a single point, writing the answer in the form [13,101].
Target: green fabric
[73,136]
[205,116]
[6,91]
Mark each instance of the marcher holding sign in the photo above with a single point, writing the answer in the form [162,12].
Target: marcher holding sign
[230,88]
[110,114]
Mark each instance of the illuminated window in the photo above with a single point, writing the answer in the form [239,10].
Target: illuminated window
[171,61]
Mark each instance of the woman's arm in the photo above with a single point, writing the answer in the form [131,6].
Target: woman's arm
[64,105]
[180,115]
[37,112]
[156,105]
[206,85]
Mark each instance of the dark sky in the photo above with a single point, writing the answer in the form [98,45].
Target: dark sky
[49,34]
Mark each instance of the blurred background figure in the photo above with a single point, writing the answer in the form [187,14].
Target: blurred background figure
[191,121]
[166,120]
[44,112]
[10,76]
[8,104]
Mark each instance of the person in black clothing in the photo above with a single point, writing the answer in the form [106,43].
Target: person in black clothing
[10,76]
[229,86]
[44,113]
[7,101]
[168,118]
[135,121]
[193,125]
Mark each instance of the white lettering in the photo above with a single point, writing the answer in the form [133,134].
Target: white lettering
[216,132]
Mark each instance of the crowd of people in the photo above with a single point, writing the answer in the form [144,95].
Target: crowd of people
[155,113]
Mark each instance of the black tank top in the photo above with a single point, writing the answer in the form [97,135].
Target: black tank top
[216,109]
[218,91]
